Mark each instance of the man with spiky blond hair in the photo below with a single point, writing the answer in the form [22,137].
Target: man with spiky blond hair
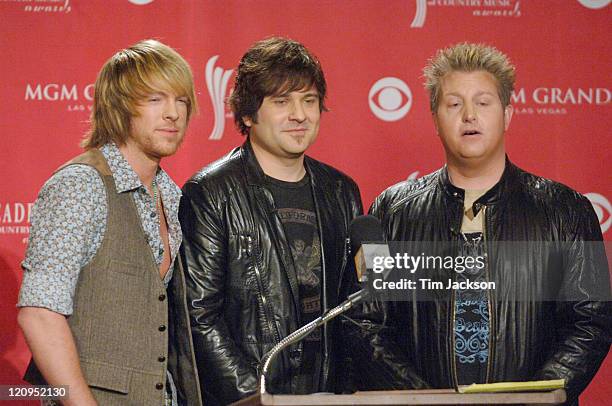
[548,315]
[102,309]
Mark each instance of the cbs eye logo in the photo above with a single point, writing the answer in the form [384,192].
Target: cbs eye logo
[390,99]
[594,4]
[602,207]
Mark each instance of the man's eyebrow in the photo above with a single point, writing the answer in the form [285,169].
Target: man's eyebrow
[286,94]
[454,94]
[484,92]
[157,92]
[480,93]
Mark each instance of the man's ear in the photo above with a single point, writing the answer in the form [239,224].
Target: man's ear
[508,116]
[247,121]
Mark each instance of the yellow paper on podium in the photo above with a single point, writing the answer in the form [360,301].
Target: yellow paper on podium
[513,386]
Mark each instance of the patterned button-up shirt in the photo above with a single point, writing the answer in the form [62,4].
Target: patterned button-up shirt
[69,221]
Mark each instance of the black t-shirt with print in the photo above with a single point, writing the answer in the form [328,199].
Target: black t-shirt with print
[295,207]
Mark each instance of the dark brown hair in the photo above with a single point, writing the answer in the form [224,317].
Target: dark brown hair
[270,67]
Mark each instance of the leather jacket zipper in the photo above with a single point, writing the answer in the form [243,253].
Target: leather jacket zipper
[264,301]
[453,306]
[452,334]
[489,301]
[453,356]
[345,258]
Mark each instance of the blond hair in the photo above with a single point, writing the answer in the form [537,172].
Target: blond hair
[127,78]
[466,57]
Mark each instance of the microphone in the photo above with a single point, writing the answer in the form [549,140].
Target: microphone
[367,242]
[363,229]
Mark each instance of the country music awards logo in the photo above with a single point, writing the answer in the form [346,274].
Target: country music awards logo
[413,176]
[602,208]
[390,99]
[216,81]
[478,8]
[15,219]
[43,6]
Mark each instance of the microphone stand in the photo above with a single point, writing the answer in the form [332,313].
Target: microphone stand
[306,329]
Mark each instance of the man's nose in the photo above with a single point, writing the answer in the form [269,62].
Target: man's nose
[170,111]
[297,112]
[469,113]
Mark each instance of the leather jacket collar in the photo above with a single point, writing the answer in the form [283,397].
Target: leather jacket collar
[256,176]
[506,184]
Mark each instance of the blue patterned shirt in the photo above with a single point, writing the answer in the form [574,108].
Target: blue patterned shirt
[68,224]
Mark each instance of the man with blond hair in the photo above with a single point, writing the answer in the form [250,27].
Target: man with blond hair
[548,315]
[102,309]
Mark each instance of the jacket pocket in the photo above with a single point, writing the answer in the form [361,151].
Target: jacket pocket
[242,247]
[106,376]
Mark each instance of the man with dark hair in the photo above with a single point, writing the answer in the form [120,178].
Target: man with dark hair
[547,314]
[102,310]
[265,230]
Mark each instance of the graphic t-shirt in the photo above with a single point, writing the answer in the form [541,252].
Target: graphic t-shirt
[472,305]
[471,318]
[295,207]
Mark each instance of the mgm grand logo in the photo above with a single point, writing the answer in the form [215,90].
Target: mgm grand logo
[555,100]
[77,98]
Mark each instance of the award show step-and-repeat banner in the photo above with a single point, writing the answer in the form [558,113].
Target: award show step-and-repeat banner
[378,130]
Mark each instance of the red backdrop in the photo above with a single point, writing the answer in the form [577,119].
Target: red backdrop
[378,130]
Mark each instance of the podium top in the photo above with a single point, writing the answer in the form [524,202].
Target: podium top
[408,397]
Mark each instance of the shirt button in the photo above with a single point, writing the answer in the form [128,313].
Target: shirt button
[161,358]
[162,297]
[153,215]
[162,328]
[159,386]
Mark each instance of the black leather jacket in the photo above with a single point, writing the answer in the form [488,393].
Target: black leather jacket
[411,345]
[242,286]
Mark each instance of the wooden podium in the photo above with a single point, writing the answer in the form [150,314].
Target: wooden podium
[409,397]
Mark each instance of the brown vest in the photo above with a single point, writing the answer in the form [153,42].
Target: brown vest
[120,320]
